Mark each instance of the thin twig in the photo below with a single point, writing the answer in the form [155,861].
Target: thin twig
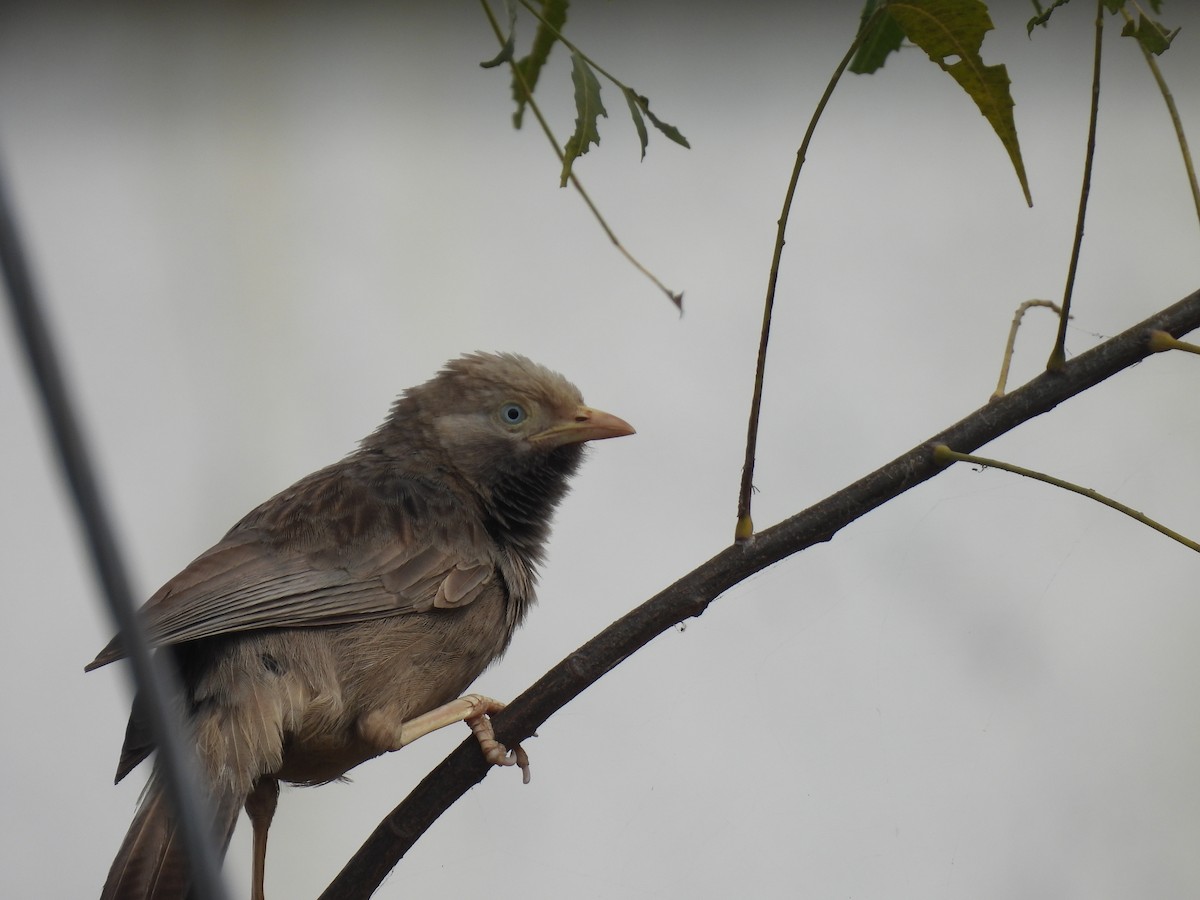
[1011,344]
[675,297]
[1058,356]
[944,454]
[1176,121]
[744,529]
[691,594]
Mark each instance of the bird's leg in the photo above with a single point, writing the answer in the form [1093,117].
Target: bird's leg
[380,729]
[260,807]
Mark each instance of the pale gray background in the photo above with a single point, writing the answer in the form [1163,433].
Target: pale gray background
[256,224]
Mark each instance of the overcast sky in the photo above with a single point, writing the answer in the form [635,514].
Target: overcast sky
[254,226]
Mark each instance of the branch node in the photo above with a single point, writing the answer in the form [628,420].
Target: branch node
[943,455]
[744,530]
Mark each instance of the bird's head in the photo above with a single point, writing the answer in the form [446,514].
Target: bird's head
[512,430]
[498,414]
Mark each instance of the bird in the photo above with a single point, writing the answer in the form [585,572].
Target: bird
[344,617]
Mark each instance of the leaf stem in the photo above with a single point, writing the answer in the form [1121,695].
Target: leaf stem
[1161,341]
[1176,121]
[562,39]
[745,523]
[1058,356]
[943,454]
[675,297]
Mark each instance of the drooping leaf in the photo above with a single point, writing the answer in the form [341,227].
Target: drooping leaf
[882,38]
[951,32]
[554,16]
[1152,35]
[639,107]
[668,131]
[1043,17]
[506,51]
[635,113]
[588,109]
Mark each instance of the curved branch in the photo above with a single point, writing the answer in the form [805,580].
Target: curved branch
[691,594]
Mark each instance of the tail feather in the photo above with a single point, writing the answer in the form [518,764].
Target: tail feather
[152,864]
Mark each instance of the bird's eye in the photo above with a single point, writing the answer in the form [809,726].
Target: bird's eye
[513,414]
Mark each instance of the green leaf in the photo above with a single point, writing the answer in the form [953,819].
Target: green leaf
[554,15]
[882,38]
[639,123]
[1043,16]
[588,109]
[668,131]
[506,52]
[951,32]
[639,106]
[1152,35]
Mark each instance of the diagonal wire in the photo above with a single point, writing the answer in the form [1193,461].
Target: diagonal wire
[156,682]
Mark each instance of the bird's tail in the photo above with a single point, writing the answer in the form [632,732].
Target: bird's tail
[152,864]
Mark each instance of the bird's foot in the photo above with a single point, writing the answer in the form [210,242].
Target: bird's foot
[494,751]
[474,709]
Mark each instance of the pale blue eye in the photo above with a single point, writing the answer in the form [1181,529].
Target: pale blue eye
[513,414]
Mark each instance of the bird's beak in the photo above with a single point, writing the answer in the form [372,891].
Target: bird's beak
[586,424]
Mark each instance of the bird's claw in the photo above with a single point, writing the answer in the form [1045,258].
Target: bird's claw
[493,751]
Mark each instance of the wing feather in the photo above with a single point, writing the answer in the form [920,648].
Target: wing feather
[261,576]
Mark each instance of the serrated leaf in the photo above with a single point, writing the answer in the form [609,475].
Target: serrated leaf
[506,51]
[879,42]
[529,67]
[668,131]
[639,123]
[1152,35]
[951,32]
[588,109]
[639,106]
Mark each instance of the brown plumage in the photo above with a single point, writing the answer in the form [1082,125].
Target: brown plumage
[364,597]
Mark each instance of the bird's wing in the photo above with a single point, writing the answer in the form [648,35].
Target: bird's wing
[252,579]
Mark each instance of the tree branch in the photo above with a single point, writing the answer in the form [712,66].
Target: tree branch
[691,594]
